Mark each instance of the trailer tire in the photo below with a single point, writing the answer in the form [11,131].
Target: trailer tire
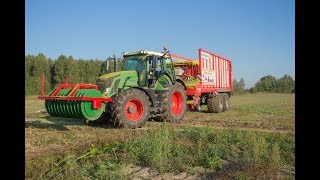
[215,104]
[131,108]
[225,101]
[174,103]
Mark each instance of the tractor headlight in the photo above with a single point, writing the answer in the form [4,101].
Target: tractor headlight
[107,90]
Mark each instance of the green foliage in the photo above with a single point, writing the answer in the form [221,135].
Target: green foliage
[56,71]
[267,84]
[238,87]
[286,84]
[65,67]
[87,71]
[89,164]
[34,68]
[168,150]
[235,85]
[171,149]
[157,149]
[241,86]
[270,84]
[275,157]
[256,148]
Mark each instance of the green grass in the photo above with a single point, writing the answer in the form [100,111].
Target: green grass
[255,137]
[171,149]
[176,150]
[273,112]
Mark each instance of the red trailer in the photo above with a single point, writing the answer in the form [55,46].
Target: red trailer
[208,80]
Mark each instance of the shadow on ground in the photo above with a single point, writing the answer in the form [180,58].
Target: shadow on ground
[59,123]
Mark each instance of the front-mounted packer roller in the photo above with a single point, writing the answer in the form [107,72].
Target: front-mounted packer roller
[81,101]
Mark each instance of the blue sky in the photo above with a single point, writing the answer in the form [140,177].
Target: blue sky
[257,35]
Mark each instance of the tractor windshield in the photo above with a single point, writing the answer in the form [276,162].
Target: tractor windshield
[133,64]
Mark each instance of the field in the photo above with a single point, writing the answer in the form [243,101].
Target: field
[254,139]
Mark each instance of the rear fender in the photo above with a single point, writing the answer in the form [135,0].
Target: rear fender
[182,82]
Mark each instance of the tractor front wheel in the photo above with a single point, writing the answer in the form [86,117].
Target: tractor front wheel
[131,108]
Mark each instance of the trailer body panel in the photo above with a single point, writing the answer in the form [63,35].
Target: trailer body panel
[215,71]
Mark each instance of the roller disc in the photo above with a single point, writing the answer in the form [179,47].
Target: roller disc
[78,106]
[58,106]
[65,105]
[59,103]
[48,104]
[76,113]
[87,106]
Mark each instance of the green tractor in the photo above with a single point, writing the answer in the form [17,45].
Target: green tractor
[146,88]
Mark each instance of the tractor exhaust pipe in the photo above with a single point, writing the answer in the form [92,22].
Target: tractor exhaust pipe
[115,63]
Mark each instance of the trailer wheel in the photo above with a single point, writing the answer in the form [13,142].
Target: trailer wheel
[131,108]
[174,103]
[215,104]
[225,101]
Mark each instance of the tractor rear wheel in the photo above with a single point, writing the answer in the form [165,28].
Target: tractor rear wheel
[215,104]
[131,108]
[174,103]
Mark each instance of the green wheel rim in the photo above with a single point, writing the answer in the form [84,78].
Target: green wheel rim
[87,107]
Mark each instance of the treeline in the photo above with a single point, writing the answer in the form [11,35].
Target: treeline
[86,71]
[55,71]
[269,83]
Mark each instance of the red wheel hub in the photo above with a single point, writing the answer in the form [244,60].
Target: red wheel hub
[177,103]
[134,109]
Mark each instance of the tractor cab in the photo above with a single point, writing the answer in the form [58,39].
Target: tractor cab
[150,65]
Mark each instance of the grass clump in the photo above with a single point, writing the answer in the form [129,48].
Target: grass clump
[104,162]
[158,148]
[171,149]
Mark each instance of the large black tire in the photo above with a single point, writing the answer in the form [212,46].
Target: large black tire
[174,103]
[225,101]
[131,108]
[215,104]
